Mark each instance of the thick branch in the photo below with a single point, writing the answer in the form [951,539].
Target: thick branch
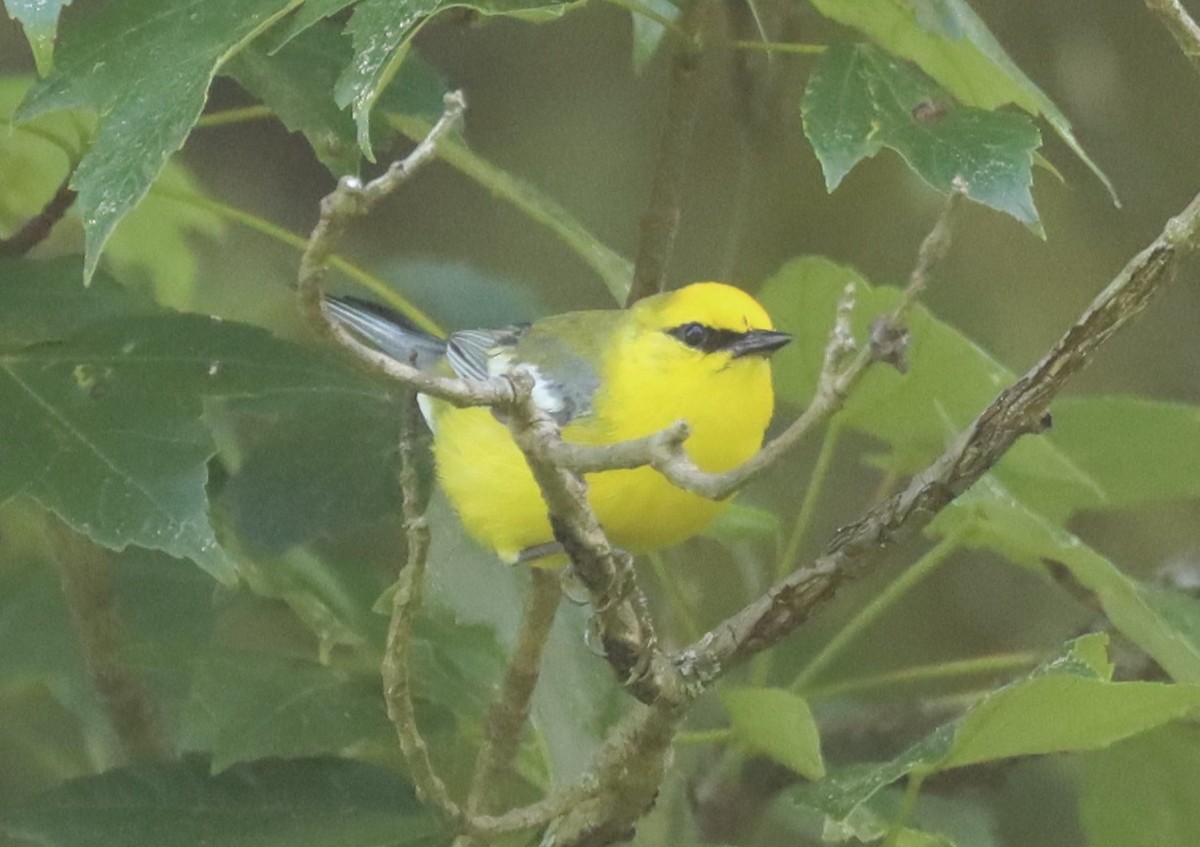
[1020,409]
[629,770]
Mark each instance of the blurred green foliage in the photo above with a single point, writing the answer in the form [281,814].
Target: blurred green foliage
[240,484]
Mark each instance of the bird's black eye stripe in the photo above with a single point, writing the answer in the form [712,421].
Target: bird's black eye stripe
[706,339]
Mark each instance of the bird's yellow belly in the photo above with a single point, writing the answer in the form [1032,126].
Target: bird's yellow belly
[485,476]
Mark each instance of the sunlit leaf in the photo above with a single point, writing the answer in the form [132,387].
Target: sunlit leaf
[859,100]
[298,803]
[101,65]
[157,239]
[776,723]
[151,242]
[35,157]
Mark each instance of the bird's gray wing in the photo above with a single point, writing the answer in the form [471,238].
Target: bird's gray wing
[482,353]
[564,381]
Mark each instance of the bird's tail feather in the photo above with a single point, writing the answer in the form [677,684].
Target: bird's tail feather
[387,330]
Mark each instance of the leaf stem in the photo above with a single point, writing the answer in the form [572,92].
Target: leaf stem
[789,557]
[995,664]
[781,47]
[812,494]
[680,607]
[358,274]
[919,569]
[613,269]
[225,117]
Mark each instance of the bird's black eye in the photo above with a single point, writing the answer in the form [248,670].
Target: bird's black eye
[693,335]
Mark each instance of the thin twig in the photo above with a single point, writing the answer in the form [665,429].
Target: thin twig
[660,223]
[405,603]
[665,450]
[1018,410]
[510,711]
[352,199]
[622,616]
[86,574]
[37,228]
[1181,25]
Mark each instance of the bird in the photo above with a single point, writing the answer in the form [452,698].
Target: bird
[699,353]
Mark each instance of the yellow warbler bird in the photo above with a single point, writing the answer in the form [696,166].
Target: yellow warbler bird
[698,354]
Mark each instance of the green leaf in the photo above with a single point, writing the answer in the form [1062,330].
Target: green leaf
[859,100]
[949,380]
[39,19]
[151,241]
[949,42]
[106,425]
[296,83]
[301,803]
[35,156]
[37,643]
[102,65]
[1063,712]
[778,724]
[347,476]
[382,31]
[1065,705]
[156,239]
[310,13]
[43,301]
[1141,792]
[1002,522]
[246,706]
[1138,451]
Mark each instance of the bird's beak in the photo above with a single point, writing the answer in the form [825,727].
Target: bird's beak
[758,342]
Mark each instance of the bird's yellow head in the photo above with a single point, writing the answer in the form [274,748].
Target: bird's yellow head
[699,354]
[709,322]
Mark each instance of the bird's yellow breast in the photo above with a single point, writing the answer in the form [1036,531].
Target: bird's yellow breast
[648,381]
